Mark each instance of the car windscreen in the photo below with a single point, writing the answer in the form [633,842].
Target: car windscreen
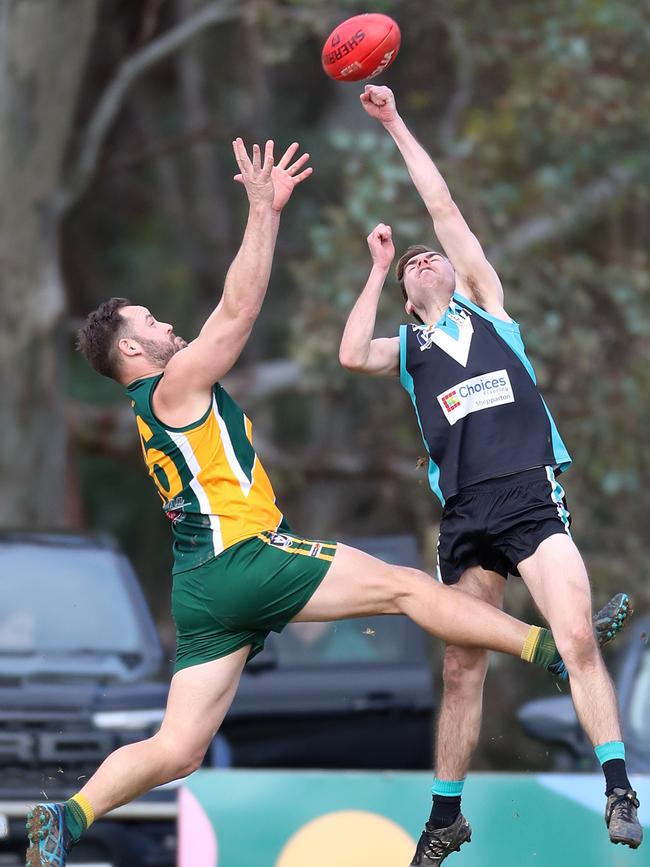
[64,599]
[389,639]
[640,702]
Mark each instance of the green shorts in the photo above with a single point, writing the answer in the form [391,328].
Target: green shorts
[254,587]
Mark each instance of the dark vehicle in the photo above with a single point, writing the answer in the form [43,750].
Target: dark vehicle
[78,658]
[350,694]
[553,720]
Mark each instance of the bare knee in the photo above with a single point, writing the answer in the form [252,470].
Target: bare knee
[577,644]
[405,586]
[179,760]
[464,670]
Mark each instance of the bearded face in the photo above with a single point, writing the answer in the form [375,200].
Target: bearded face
[160,351]
[155,339]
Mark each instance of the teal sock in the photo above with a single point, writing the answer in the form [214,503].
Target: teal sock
[447,788]
[445,808]
[612,759]
[610,750]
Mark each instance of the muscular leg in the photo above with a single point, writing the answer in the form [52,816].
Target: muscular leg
[359,585]
[464,670]
[199,698]
[557,579]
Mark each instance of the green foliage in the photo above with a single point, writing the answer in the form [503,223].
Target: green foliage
[526,108]
[559,104]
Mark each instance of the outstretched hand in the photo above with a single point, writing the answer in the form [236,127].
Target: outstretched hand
[286,176]
[254,174]
[379,102]
[380,242]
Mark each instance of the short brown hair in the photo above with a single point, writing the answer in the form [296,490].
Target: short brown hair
[97,339]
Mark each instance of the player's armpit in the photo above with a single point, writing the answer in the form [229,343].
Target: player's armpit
[382,358]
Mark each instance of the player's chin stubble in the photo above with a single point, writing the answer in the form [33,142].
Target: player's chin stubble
[161,352]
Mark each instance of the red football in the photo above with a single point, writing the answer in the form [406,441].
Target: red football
[361,47]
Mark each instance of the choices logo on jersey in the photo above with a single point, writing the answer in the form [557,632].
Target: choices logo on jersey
[472,395]
[451,401]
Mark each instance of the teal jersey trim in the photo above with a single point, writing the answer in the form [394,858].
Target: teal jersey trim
[511,325]
[557,495]
[407,383]
[510,334]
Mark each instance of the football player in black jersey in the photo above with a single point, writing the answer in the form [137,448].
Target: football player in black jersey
[494,455]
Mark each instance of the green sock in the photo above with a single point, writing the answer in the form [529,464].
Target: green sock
[77,815]
[540,648]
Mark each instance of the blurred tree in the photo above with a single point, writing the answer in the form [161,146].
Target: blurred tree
[538,120]
[37,107]
[38,97]
[538,116]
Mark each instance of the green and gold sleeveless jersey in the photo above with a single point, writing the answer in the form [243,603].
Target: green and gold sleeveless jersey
[213,487]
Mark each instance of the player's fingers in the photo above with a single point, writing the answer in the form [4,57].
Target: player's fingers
[239,178]
[240,155]
[257,158]
[268,157]
[235,151]
[299,163]
[287,156]
[303,175]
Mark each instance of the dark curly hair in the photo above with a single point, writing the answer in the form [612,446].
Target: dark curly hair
[98,337]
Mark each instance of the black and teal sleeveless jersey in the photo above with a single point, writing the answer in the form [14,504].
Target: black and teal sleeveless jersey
[475,395]
[213,488]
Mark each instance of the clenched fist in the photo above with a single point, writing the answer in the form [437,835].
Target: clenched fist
[379,102]
[380,242]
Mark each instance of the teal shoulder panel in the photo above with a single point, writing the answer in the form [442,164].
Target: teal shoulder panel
[512,325]
[514,340]
[407,382]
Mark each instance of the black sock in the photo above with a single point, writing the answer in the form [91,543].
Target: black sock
[445,811]
[615,776]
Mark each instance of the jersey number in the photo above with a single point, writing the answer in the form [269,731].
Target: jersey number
[157,460]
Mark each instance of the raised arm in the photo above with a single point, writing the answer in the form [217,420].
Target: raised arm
[191,373]
[358,350]
[476,277]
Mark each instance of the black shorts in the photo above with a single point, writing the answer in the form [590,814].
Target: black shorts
[499,522]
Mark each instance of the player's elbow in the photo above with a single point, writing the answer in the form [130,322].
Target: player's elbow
[350,360]
[442,206]
[249,312]
[244,312]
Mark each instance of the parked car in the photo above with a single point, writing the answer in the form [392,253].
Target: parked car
[554,721]
[351,694]
[79,666]
[78,658]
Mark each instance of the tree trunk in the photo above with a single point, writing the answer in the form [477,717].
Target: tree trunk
[43,47]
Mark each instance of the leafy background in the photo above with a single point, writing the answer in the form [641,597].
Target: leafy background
[537,115]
